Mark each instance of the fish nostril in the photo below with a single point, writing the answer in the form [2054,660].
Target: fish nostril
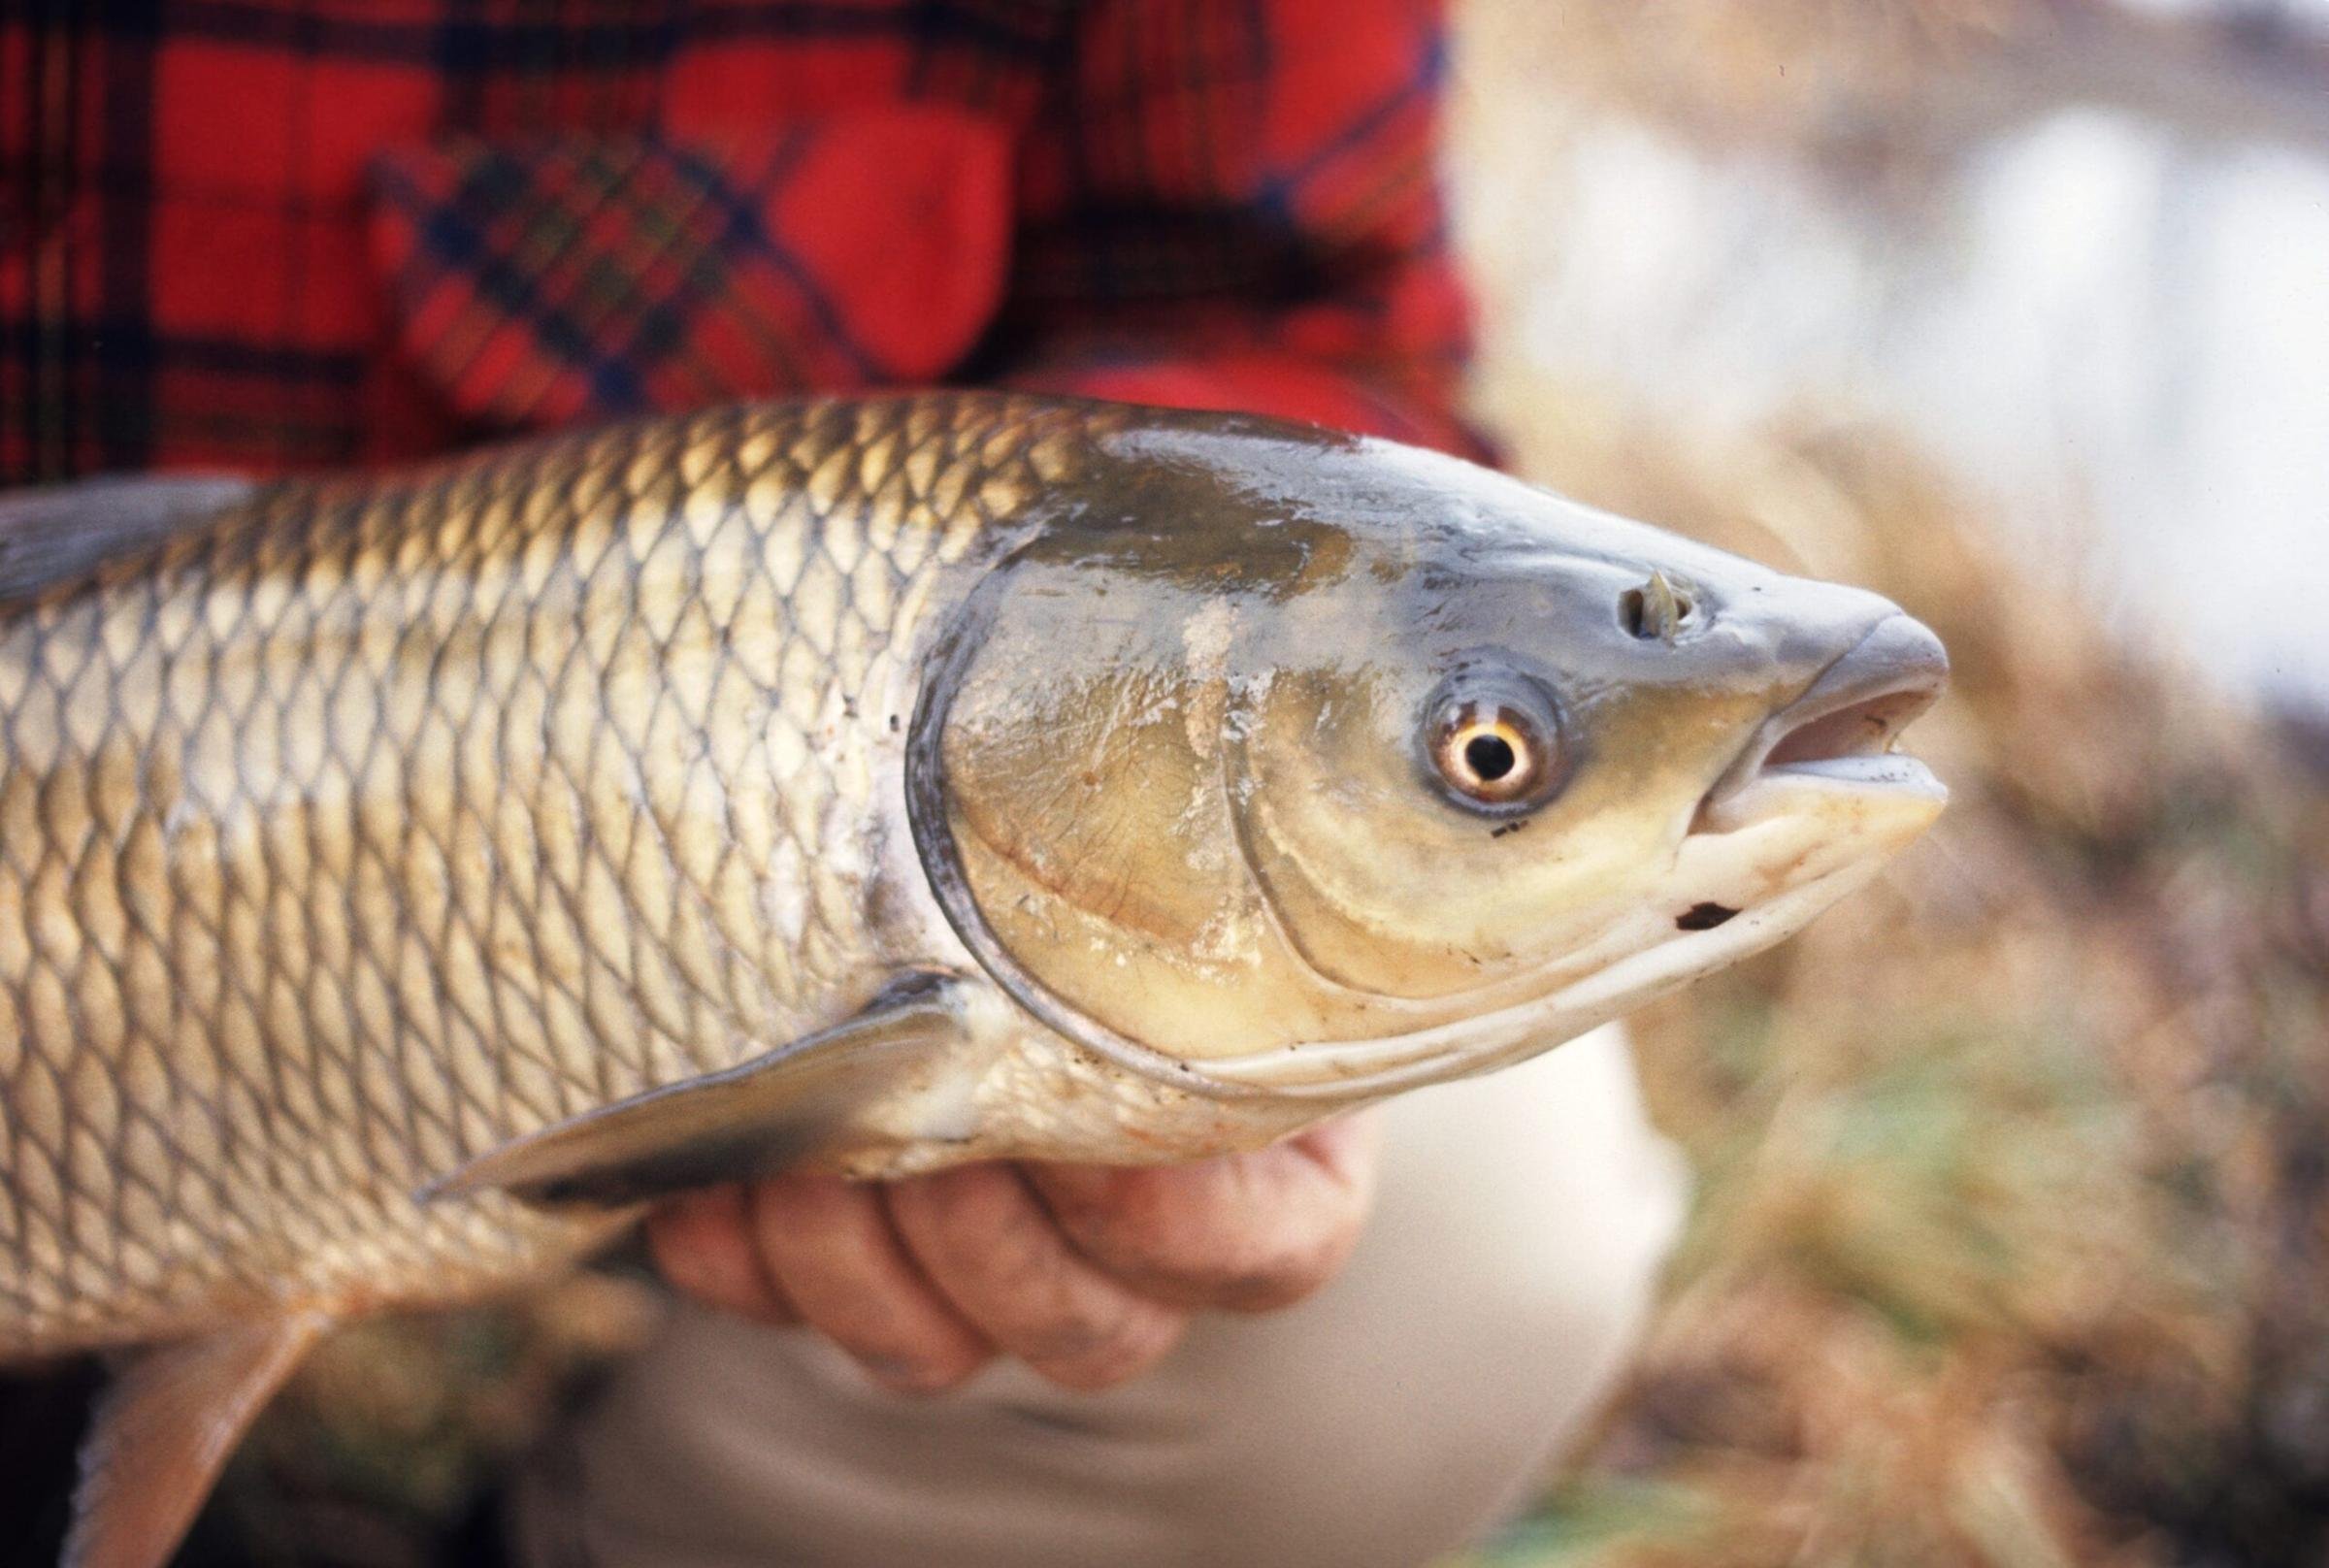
[1656,611]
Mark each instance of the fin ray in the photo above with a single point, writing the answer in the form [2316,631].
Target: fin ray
[772,1111]
[163,1431]
[59,532]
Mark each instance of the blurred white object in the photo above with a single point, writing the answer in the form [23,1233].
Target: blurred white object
[1416,1400]
[2117,319]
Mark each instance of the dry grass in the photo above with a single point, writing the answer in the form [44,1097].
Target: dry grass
[1779,71]
[2008,1249]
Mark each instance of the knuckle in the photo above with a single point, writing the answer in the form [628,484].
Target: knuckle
[1299,1264]
[1106,1211]
[923,1375]
[978,1215]
[1000,1266]
[1146,1225]
[902,1351]
[1058,1330]
[1210,1258]
[1264,1268]
[1248,1233]
[699,1257]
[680,1263]
[1116,1357]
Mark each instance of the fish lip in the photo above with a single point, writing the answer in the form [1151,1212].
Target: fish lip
[1842,728]
[1484,1042]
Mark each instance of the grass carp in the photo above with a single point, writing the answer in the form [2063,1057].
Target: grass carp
[404,876]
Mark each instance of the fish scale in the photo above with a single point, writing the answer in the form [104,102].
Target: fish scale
[365,829]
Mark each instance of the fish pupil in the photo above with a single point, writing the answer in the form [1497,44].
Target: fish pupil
[1489,757]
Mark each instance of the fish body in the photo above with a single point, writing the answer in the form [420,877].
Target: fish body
[401,876]
[370,825]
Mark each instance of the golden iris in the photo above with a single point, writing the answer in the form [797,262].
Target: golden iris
[1493,754]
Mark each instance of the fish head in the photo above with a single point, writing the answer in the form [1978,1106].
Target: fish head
[1325,766]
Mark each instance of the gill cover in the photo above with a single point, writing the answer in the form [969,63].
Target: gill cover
[1067,772]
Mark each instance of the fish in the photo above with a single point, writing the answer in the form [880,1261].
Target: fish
[404,877]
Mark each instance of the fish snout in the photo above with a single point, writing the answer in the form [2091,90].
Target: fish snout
[1861,703]
[1842,727]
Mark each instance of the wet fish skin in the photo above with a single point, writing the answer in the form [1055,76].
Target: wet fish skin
[372,825]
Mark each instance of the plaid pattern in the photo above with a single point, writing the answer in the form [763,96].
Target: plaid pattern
[268,234]
[583,278]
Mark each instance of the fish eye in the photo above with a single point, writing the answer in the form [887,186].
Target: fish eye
[1495,742]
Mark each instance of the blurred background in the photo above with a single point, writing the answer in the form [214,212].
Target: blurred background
[2077,250]
[2011,1245]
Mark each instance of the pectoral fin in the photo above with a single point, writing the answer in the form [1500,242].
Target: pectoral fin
[772,1111]
[55,535]
[164,1430]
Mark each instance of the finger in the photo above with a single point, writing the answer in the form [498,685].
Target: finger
[703,1244]
[1250,1232]
[827,1245]
[993,1249]
[1348,1149]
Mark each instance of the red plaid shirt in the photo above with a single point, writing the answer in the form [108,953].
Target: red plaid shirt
[260,234]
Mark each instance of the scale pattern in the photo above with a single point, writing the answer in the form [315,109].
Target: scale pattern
[371,824]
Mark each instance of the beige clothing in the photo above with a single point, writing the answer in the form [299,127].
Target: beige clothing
[1407,1406]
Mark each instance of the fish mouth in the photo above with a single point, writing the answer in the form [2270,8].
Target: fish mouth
[1839,735]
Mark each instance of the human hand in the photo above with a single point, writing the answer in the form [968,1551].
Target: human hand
[1087,1273]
